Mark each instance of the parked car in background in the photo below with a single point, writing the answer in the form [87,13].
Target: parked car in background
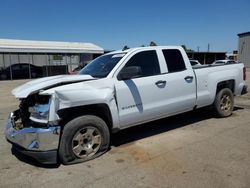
[21,71]
[194,62]
[77,69]
[224,61]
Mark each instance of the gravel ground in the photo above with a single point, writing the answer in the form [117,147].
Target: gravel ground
[189,150]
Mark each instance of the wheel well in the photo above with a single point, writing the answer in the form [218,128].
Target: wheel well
[100,110]
[226,84]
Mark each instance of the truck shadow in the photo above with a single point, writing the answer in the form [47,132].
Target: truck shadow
[139,132]
[160,126]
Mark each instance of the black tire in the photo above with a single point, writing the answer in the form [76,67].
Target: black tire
[224,103]
[80,136]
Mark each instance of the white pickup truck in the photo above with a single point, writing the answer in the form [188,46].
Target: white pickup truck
[69,118]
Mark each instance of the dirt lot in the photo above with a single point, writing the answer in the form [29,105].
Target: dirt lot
[189,150]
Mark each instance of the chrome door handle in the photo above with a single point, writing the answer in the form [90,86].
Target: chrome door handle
[189,78]
[160,82]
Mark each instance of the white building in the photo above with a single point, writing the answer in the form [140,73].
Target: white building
[47,54]
[244,49]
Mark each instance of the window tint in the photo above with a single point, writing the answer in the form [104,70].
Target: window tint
[15,67]
[174,60]
[147,61]
[25,66]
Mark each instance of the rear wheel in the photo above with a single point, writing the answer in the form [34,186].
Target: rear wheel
[224,103]
[83,138]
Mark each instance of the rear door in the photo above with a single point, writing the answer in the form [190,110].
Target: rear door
[180,91]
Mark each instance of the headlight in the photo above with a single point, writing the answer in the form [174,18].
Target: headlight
[40,111]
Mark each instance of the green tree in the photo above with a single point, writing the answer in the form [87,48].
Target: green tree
[186,49]
[152,43]
[125,48]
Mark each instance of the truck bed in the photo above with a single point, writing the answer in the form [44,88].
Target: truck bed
[209,76]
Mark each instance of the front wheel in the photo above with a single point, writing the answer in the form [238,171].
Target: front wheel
[83,138]
[224,103]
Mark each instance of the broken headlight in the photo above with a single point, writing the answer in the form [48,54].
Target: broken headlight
[40,111]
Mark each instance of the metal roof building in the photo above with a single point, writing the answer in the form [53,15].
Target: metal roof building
[53,57]
[29,46]
[244,48]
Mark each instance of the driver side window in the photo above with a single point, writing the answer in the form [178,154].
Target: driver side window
[147,61]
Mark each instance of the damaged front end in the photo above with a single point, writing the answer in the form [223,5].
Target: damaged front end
[31,130]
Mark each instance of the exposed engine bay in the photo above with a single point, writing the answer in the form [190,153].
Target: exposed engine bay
[31,109]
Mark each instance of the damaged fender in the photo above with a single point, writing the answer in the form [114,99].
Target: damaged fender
[83,94]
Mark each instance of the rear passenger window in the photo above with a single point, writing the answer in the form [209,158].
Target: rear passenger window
[147,61]
[174,60]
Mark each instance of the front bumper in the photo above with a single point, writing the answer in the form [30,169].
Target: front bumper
[39,143]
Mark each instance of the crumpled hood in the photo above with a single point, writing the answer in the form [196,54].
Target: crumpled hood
[48,82]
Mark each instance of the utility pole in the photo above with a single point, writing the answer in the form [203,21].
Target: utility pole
[208,47]
[198,49]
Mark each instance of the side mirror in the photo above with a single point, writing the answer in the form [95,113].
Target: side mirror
[129,73]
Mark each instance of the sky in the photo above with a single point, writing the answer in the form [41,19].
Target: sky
[113,24]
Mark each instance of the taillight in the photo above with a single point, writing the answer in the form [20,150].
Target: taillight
[244,73]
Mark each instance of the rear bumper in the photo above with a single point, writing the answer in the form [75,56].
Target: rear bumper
[244,90]
[39,143]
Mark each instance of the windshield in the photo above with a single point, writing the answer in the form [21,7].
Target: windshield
[102,66]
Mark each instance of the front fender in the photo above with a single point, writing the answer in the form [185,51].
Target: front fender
[87,98]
